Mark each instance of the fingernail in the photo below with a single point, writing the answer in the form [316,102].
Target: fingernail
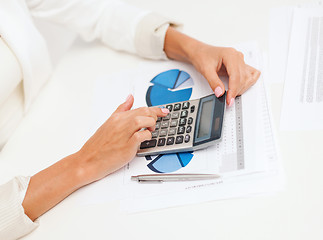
[128,98]
[231,102]
[218,91]
[164,110]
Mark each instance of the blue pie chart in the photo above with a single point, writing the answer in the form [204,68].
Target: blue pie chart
[163,91]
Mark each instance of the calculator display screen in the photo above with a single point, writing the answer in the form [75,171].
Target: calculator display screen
[204,127]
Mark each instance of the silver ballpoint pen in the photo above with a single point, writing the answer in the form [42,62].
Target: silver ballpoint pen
[159,178]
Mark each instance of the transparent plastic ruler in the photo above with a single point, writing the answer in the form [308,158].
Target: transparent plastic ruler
[239,133]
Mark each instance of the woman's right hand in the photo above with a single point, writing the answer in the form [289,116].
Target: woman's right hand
[116,142]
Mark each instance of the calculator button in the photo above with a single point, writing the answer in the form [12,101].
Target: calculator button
[164,124]
[188,129]
[148,144]
[173,123]
[175,115]
[184,113]
[169,107]
[181,130]
[177,107]
[190,120]
[163,133]
[179,139]
[159,119]
[186,105]
[157,125]
[161,142]
[167,117]
[172,131]
[182,122]
[187,138]
[154,134]
[192,109]
[170,141]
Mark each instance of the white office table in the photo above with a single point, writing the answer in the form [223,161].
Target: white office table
[56,126]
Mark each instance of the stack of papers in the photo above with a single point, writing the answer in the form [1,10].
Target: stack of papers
[246,158]
[296,58]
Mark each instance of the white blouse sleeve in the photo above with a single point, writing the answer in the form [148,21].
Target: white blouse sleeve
[117,24]
[14,223]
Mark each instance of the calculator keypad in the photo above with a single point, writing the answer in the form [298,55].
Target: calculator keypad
[175,129]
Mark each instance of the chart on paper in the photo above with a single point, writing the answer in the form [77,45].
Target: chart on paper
[173,85]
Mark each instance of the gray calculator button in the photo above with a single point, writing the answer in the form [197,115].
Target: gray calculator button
[179,139]
[181,130]
[163,133]
[177,107]
[172,131]
[184,114]
[186,105]
[148,144]
[187,138]
[167,117]
[190,120]
[170,141]
[164,124]
[159,119]
[175,115]
[169,107]
[157,125]
[161,142]
[173,123]
[154,134]
[188,129]
[182,122]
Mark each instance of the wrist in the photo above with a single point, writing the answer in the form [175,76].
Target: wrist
[82,168]
[179,46]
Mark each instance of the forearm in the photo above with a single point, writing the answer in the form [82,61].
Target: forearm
[52,185]
[113,145]
[179,46]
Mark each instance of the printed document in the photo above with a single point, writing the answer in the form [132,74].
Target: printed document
[303,90]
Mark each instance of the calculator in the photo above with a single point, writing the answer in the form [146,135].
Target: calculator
[190,125]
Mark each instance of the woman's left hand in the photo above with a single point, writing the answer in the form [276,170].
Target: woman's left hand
[212,62]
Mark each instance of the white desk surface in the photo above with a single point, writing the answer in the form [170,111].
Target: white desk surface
[56,127]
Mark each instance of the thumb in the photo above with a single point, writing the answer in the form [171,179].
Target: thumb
[127,105]
[215,83]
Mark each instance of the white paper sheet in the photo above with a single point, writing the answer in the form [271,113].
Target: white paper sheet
[261,174]
[143,198]
[303,91]
[280,23]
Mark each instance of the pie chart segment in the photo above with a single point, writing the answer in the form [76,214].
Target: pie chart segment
[160,92]
[170,162]
[185,158]
[165,163]
[159,95]
[183,77]
[166,79]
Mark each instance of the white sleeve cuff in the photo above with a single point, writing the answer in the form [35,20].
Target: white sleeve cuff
[150,35]
[14,223]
